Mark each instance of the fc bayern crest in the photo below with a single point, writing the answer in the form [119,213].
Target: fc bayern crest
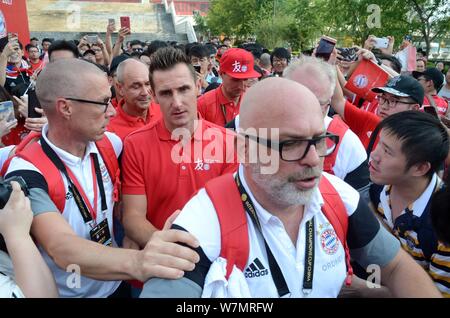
[329,241]
[361,81]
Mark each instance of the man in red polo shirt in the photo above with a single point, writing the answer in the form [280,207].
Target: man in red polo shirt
[166,162]
[135,109]
[221,105]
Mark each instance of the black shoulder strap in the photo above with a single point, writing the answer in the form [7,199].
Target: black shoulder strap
[373,138]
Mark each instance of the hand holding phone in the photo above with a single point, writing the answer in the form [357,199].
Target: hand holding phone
[92,39]
[111,25]
[125,23]
[325,47]
[381,43]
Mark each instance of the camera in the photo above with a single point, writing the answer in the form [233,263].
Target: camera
[6,189]
[348,53]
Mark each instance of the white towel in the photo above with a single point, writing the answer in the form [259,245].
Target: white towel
[217,286]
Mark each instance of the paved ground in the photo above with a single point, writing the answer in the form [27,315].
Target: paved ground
[80,16]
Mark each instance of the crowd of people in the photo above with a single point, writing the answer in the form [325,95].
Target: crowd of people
[211,170]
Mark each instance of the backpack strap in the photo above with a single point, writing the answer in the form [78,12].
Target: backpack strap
[335,211]
[30,138]
[373,138]
[109,157]
[232,219]
[36,156]
[339,128]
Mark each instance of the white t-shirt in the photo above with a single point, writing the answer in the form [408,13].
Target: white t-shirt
[329,256]
[8,286]
[351,153]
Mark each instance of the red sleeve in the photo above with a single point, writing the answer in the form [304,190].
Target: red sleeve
[355,118]
[132,169]
[201,105]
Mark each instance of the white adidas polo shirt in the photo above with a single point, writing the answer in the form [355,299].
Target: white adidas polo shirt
[200,219]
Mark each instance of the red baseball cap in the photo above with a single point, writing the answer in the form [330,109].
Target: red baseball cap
[238,63]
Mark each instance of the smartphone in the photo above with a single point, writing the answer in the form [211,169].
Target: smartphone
[325,48]
[381,43]
[125,23]
[431,110]
[348,53]
[33,102]
[92,38]
[7,111]
[197,68]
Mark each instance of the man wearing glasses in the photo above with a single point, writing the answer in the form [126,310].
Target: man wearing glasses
[349,161]
[401,93]
[283,213]
[280,59]
[73,225]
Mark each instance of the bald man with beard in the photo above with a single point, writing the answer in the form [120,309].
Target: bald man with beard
[79,232]
[284,201]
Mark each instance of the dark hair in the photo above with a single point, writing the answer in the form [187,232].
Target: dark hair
[101,67]
[281,53]
[47,40]
[440,214]
[254,48]
[199,51]
[63,45]
[188,47]
[34,39]
[154,46]
[136,42]
[211,48]
[396,65]
[166,58]
[423,138]
[30,46]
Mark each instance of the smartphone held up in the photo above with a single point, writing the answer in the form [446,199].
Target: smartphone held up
[125,23]
[325,47]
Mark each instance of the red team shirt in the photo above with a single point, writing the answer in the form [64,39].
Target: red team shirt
[149,169]
[123,124]
[216,108]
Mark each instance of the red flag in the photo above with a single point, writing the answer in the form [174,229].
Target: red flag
[365,77]
[14,18]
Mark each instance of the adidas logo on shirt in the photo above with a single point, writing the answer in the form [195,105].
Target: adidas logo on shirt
[256,269]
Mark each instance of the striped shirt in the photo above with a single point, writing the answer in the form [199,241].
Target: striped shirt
[415,233]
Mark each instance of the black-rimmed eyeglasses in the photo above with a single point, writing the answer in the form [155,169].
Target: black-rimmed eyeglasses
[297,149]
[105,103]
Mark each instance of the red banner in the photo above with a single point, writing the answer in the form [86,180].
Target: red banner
[14,18]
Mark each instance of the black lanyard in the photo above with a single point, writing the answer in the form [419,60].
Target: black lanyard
[84,210]
[275,270]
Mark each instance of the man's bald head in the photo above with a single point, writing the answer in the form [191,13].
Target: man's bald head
[275,103]
[66,78]
[130,65]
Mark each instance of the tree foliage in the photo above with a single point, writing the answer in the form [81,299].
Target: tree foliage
[300,22]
